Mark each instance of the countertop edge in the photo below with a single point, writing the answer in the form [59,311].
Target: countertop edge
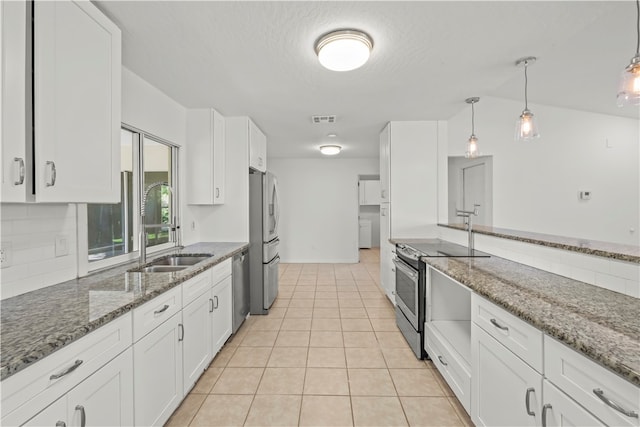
[54,342]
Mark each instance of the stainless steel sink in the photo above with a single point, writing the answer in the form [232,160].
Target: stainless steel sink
[161,268]
[179,260]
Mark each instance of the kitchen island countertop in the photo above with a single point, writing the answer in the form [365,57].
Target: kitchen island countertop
[35,324]
[598,323]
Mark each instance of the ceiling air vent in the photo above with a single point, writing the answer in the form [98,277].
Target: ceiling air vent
[323,119]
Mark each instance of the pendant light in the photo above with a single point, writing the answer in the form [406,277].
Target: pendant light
[629,89]
[472,143]
[526,125]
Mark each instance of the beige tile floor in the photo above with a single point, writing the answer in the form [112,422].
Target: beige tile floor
[328,354]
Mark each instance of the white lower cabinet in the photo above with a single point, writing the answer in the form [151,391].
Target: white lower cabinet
[560,410]
[158,373]
[506,391]
[103,399]
[222,317]
[196,320]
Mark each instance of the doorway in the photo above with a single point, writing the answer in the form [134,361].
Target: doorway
[471,183]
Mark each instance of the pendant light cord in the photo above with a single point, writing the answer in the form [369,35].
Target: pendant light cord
[473,119]
[637,27]
[526,83]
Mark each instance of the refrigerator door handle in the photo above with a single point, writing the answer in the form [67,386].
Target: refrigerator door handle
[276,207]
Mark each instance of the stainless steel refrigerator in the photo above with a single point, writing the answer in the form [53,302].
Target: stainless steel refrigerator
[263,240]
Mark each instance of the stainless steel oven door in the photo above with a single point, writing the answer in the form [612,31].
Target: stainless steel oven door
[407,284]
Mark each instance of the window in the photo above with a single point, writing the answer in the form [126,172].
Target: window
[114,229]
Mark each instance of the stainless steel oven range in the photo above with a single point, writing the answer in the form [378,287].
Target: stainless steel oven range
[411,285]
[410,297]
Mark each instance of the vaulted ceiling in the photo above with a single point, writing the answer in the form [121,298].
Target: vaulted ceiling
[257,59]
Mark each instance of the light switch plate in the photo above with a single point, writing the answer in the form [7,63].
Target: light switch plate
[5,254]
[62,245]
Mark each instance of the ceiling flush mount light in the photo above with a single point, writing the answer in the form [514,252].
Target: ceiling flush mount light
[629,89]
[344,50]
[472,143]
[526,125]
[330,150]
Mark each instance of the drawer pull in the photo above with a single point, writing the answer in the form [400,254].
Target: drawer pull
[442,361]
[67,371]
[61,424]
[495,323]
[544,414]
[527,401]
[162,310]
[83,418]
[631,414]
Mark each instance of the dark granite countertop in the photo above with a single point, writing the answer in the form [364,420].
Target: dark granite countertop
[617,251]
[599,323]
[35,324]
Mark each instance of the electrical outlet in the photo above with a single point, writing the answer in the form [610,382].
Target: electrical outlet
[62,245]
[5,254]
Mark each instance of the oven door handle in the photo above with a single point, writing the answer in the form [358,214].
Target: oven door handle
[402,266]
[402,250]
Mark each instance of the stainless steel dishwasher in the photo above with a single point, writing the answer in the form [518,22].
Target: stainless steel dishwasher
[240,287]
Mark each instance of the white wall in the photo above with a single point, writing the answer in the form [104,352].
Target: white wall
[536,184]
[319,205]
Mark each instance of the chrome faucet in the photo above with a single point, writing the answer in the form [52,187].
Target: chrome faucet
[469,215]
[143,225]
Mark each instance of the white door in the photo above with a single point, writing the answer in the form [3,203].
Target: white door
[473,191]
[222,318]
[106,397]
[196,320]
[506,391]
[561,411]
[158,374]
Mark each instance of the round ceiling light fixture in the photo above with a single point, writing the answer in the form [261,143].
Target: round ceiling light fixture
[330,150]
[344,50]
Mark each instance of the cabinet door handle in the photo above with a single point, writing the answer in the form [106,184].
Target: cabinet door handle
[442,361]
[181,336]
[544,414]
[52,176]
[527,401]
[20,162]
[217,193]
[162,310]
[211,305]
[631,414]
[495,323]
[66,371]
[83,417]
[215,299]
[61,424]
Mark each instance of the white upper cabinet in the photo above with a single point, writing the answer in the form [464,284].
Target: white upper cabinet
[206,147]
[76,58]
[369,192]
[257,148]
[13,31]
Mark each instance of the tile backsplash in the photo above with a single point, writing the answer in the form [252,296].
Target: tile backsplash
[40,246]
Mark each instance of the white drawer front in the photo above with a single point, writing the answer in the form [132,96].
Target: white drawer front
[517,335]
[155,312]
[451,368]
[580,378]
[31,390]
[193,288]
[221,271]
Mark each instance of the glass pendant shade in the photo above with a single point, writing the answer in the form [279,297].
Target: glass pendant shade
[629,89]
[527,127]
[472,147]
